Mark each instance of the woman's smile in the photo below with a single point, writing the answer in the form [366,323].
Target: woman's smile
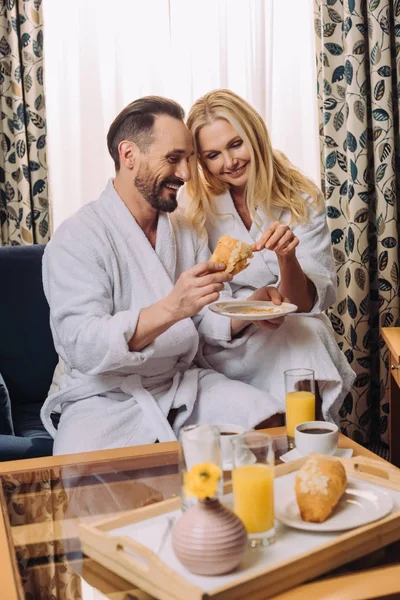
[237,172]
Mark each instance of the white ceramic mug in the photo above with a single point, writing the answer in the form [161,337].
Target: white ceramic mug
[227,433]
[307,441]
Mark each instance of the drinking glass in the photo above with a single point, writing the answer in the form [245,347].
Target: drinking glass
[300,399]
[253,485]
[199,444]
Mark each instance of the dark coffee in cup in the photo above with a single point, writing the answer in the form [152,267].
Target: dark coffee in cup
[316,430]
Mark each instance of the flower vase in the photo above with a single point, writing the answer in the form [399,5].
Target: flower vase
[209,539]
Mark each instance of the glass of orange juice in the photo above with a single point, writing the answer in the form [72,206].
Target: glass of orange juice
[300,399]
[253,485]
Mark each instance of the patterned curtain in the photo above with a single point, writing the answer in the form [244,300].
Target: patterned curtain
[358,65]
[24,207]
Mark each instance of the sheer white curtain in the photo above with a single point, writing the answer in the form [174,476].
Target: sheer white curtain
[99,56]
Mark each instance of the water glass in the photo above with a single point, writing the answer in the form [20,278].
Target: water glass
[199,444]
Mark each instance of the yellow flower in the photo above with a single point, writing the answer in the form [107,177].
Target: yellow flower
[202,480]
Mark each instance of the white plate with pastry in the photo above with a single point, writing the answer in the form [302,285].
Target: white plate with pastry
[253,310]
[321,498]
[358,506]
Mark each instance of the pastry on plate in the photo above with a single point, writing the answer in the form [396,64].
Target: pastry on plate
[320,483]
[233,253]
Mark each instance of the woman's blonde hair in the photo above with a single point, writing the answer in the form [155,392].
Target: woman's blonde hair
[273,181]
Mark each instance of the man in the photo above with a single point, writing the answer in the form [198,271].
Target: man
[128,283]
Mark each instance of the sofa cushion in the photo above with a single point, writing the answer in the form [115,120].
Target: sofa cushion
[13,447]
[27,354]
[6,424]
[27,421]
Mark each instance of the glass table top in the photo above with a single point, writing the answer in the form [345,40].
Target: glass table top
[44,504]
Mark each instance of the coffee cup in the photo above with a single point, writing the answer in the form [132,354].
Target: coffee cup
[316,436]
[227,433]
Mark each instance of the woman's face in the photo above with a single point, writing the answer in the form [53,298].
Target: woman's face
[224,153]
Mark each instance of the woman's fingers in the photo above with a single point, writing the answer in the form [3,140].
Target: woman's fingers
[277,236]
[292,245]
[268,292]
[270,325]
[285,240]
[275,295]
[260,245]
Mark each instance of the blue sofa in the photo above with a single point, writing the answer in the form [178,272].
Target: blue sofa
[27,354]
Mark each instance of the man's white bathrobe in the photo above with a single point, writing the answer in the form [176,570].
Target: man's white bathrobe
[99,271]
[304,340]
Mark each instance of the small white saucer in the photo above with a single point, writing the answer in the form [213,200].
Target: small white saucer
[295,454]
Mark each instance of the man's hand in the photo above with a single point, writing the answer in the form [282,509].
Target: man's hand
[279,238]
[196,288]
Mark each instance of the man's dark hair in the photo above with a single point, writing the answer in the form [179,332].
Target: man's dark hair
[136,121]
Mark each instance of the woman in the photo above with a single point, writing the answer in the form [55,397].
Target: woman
[242,187]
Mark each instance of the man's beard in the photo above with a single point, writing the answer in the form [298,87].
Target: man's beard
[151,191]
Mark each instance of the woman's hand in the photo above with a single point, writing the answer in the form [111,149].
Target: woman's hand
[272,294]
[279,238]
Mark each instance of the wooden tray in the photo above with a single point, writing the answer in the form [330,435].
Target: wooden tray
[142,566]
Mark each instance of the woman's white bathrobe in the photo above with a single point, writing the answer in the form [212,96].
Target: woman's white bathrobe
[304,340]
[99,271]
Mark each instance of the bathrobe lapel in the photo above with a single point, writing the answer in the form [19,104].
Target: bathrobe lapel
[158,267]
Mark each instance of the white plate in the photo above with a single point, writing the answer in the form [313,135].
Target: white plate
[268,309]
[359,505]
[295,454]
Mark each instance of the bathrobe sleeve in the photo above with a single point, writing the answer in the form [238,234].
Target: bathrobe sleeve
[315,257]
[78,286]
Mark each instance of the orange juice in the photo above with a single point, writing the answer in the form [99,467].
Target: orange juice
[300,407]
[253,493]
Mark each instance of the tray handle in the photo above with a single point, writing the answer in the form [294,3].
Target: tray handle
[124,549]
[133,556]
[374,471]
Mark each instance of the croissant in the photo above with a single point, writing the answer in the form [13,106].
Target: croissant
[320,483]
[233,253]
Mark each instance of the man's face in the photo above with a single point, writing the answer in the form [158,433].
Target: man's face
[164,168]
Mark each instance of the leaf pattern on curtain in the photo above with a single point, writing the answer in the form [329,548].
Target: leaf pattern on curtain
[358,95]
[24,207]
